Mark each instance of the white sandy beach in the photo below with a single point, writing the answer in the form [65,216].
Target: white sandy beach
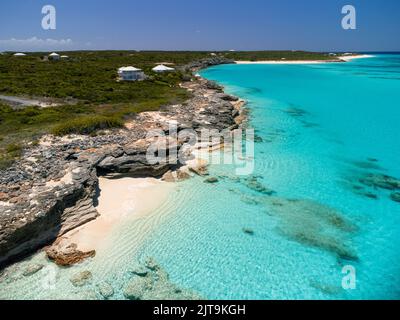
[120,200]
[344,58]
[360,56]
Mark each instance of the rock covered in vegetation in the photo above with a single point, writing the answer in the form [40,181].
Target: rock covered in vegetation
[381,181]
[255,185]
[248,231]
[81,278]
[137,287]
[105,289]
[155,285]
[395,196]
[32,269]
[211,180]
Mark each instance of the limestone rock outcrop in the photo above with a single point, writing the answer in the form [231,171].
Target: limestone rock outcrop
[53,188]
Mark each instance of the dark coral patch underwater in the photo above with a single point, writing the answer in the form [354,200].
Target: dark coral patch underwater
[314,224]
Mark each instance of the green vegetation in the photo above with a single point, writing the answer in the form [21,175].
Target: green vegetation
[277,55]
[87,125]
[89,76]
[89,79]
[12,151]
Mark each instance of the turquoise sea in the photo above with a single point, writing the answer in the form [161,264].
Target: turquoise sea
[321,129]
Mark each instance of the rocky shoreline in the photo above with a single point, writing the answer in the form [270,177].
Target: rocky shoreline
[53,188]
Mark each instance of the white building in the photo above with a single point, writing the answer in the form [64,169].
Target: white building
[54,56]
[161,68]
[130,74]
[64,57]
[19,54]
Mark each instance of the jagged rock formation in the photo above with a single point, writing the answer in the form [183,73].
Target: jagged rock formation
[67,255]
[53,188]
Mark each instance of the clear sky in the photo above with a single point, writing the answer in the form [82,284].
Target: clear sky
[200,25]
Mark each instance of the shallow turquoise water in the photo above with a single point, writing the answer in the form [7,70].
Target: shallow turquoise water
[319,125]
[351,113]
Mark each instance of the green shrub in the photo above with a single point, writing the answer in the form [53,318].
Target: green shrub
[12,152]
[5,162]
[14,148]
[87,125]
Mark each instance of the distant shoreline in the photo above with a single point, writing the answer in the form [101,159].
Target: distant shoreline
[340,59]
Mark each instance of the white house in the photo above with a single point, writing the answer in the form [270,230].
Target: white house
[54,56]
[161,68]
[64,57]
[130,74]
[19,54]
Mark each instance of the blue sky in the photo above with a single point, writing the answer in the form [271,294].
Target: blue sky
[200,25]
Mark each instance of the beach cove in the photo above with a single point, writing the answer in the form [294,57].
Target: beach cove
[259,236]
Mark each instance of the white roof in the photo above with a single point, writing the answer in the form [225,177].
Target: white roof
[19,54]
[53,54]
[161,67]
[64,57]
[130,68]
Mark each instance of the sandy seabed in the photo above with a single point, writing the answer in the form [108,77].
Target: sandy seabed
[120,201]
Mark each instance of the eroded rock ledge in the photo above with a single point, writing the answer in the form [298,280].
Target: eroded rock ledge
[53,188]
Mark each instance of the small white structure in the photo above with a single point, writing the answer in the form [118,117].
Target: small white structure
[64,57]
[19,54]
[130,74]
[161,68]
[54,56]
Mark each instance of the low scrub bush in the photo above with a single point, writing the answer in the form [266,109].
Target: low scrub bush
[87,125]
